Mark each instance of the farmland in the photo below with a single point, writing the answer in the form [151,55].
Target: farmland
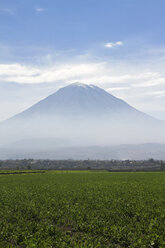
[82,209]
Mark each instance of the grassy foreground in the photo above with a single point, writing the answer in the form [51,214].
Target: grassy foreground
[82,209]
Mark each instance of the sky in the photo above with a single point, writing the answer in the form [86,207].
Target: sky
[118,45]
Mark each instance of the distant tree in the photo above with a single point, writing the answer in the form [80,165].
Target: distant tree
[162,165]
[151,160]
[29,167]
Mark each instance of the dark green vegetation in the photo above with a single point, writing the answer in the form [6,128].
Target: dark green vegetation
[82,209]
[112,165]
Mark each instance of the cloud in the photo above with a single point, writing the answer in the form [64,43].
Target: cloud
[101,73]
[98,73]
[158,94]
[39,9]
[113,44]
[29,74]
[118,89]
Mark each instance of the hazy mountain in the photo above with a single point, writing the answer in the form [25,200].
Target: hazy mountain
[123,152]
[80,115]
[79,100]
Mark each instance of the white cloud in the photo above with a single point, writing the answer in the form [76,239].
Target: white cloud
[29,74]
[156,93]
[101,73]
[113,44]
[118,89]
[39,9]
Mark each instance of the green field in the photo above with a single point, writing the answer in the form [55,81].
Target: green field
[82,209]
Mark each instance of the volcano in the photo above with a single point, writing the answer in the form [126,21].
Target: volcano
[80,115]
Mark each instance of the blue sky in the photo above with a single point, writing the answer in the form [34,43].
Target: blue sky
[116,44]
[62,24]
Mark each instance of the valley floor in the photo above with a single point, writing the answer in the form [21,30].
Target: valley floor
[64,209]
